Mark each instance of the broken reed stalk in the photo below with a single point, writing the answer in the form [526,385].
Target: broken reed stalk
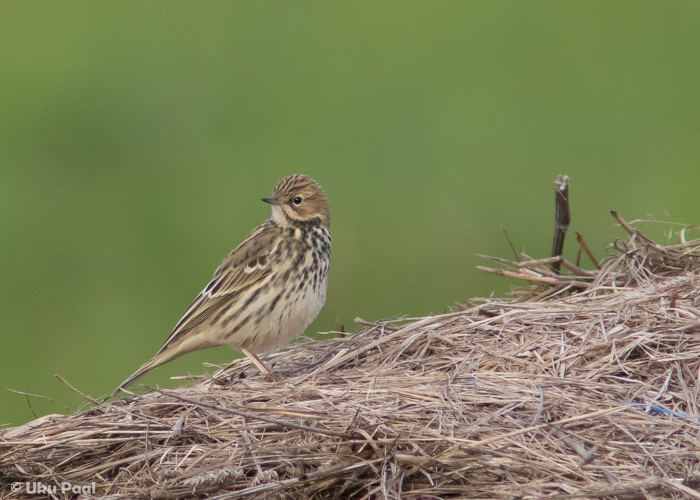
[640,253]
[562,218]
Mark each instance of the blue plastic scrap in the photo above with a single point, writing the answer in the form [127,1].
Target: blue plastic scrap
[658,409]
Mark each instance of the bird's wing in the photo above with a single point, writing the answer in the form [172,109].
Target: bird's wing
[246,265]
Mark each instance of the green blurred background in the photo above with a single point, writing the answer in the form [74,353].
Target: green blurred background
[137,138]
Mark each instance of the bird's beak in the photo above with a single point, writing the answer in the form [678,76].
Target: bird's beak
[272,201]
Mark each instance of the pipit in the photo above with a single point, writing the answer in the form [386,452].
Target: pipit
[268,289]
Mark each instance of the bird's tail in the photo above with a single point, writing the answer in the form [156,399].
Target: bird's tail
[159,359]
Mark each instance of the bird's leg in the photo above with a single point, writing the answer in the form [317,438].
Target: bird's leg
[269,376]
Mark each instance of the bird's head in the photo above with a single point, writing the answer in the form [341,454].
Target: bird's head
[299,198]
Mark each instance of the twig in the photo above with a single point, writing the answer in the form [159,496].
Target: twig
[533,277]
[40,396]
[84,396]
[29,403]
[538,262]
[633,232]
[510,243]
[623,223]
[562,218]
[577,270]
[578,255]
[676,485]
[583,245]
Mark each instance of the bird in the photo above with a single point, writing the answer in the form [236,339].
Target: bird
[267,290]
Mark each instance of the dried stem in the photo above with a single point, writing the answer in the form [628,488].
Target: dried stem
[562,218]
[582,245]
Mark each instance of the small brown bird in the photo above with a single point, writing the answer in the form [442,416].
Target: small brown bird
[268,289]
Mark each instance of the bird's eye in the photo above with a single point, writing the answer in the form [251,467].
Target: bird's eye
[297,200]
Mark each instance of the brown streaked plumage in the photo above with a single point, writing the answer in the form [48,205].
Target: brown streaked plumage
[268,289]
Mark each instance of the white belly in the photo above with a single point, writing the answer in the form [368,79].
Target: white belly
[265,330]
[291,318]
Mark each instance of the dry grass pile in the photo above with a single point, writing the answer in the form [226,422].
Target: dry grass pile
[587,389]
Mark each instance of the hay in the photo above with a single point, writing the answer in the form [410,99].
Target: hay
[587,389]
